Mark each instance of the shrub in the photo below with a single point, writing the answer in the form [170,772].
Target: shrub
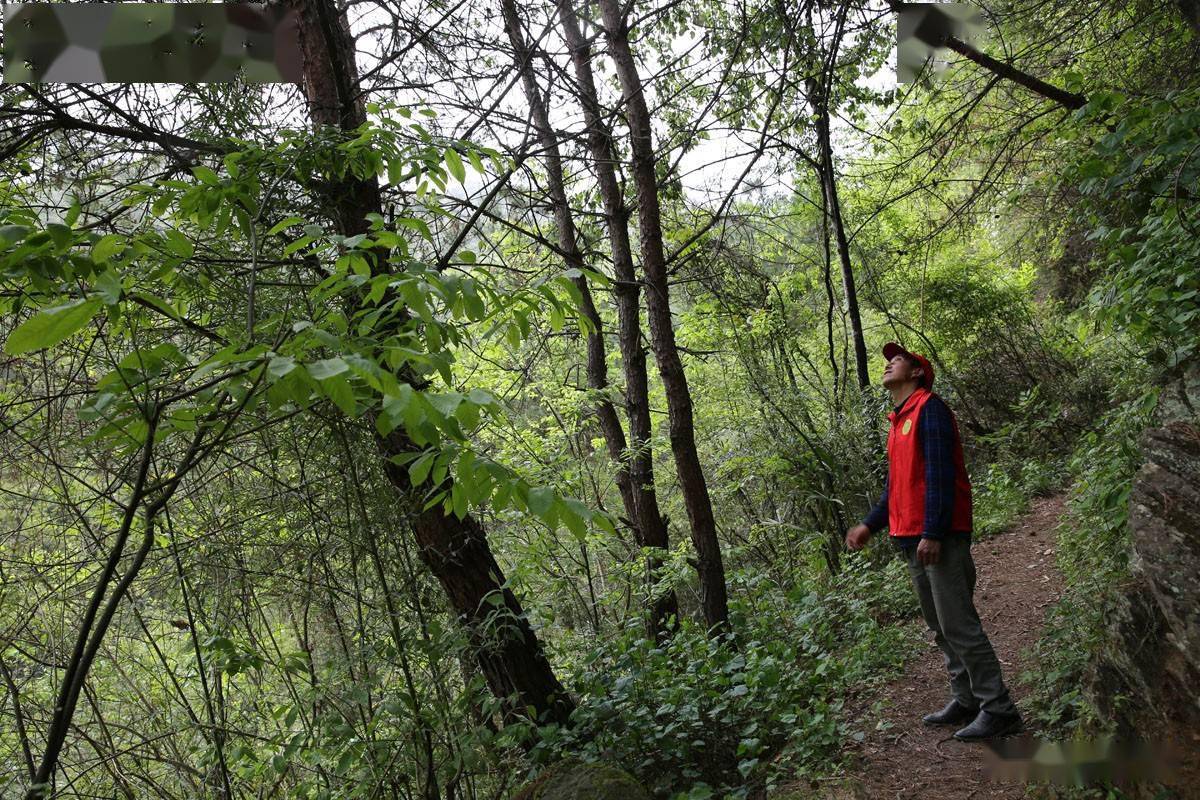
[695,717]
[1093,555]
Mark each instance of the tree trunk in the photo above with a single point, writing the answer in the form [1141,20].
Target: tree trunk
[597,368]
[456,551]
[665,612]
[663,609]
[833,212]
[662,332]
[1068,100]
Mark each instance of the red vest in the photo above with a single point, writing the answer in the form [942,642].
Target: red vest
[906,473]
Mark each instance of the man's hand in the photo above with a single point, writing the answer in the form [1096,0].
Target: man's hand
[929,551]
[856,537]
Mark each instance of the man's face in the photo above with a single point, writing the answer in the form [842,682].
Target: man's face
[900,370]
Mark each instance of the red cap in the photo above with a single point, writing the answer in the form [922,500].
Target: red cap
[891,350]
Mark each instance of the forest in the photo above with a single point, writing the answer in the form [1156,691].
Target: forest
[483,416]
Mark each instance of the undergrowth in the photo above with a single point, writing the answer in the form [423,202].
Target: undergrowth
[1092,554]
[1023,464]
[697,718]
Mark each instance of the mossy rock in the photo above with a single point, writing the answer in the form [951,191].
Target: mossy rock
[574,780]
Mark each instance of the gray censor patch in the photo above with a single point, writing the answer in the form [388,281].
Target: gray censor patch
[150,43]
[922,30]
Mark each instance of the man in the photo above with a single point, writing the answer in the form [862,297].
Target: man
[926,505]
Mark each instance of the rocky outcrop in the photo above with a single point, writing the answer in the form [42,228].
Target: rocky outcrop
[1152,677]
[575,780]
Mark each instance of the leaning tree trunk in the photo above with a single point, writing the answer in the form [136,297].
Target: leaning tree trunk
[662,332]
[833,212]
[1068,100]
[631,471]
[627,288]
[456,551]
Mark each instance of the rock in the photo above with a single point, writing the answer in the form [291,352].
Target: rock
[1153,675]
[575,780]
[1165,524]
[1124,681]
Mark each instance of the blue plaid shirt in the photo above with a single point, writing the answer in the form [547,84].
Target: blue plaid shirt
[935,429]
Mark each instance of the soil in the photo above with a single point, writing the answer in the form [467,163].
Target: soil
[1016,582]
[901,757]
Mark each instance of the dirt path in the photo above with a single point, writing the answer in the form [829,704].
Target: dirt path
[1017,581]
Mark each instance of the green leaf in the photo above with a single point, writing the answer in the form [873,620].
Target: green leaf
[107,247]
[51,326]
[394,404]
[455,165]
[359,265]
[13,233]
[574,522]
[303,241]
[179,244]
[206,175]
[419,470]
[476,161]
[61,234]
[284,224]
[446,402]
[108,285]
[604,522]
[338,390]
[159,303]
[471,300]
[417,225]
[395,171]
[458,500]
[480,397]
[578,507]
[280,366]
[327,368]
[541,500]
[467,414]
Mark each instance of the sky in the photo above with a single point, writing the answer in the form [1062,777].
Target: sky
[708,170]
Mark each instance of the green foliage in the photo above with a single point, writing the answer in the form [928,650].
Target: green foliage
[998,498]
[1141,181]
[51,326]
[572,779]
[328,330]
[1092,555]
[385,334]
[695,718]
[1023,463]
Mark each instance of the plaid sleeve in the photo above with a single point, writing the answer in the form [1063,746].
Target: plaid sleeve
[936,429]
[878,516]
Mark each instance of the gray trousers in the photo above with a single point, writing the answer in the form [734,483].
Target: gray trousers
[946,592]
